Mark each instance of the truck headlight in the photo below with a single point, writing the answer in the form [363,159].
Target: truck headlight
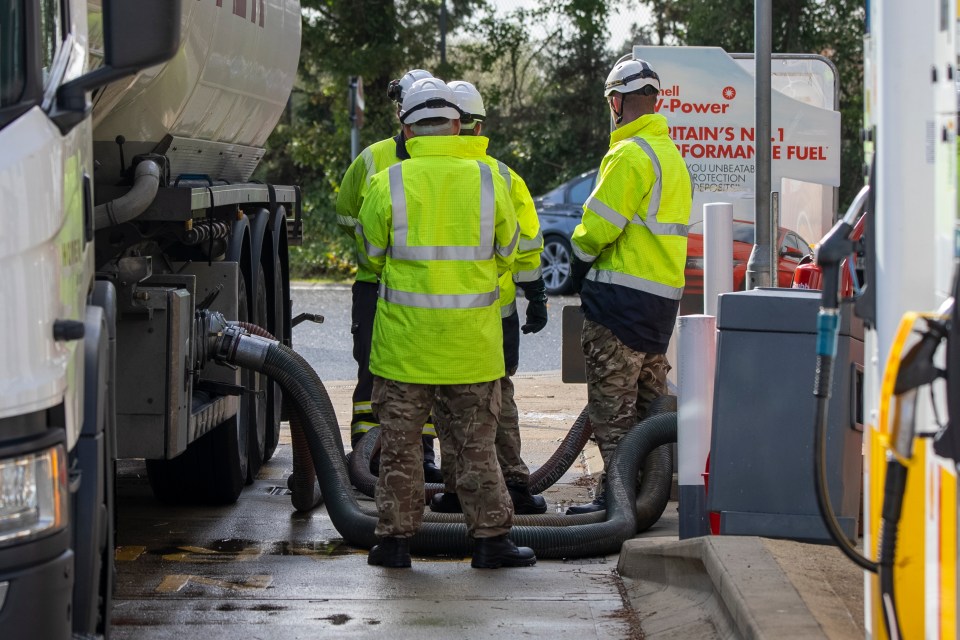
[33,494]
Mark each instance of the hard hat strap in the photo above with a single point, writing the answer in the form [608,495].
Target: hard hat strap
[432,103]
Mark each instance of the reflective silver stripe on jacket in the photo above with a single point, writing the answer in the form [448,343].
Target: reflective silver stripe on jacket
[529,275]
[607,213]
[370,249]
[580,253]
[398,201]
[655,226]
[508,310]
[346,221]
[440,300]
[505,172]
[532,244]
[634,282]
[507,250]
[441,253]
[367,156]
[400,250]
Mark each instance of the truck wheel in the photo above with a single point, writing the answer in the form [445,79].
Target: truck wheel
[213,469]
[274,394]
[257,386]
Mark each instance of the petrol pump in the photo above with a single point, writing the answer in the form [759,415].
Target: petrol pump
[909,247]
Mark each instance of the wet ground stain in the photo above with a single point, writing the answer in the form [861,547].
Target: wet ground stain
[232,549]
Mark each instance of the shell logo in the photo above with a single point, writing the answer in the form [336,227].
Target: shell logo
[729,93]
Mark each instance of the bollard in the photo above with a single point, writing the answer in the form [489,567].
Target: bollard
[697,363]
[717,253]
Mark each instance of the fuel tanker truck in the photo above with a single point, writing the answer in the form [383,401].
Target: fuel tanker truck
[129,132]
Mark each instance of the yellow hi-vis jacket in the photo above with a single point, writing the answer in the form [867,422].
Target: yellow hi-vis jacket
[353,187]
[526,268]
[439,229]
[634,225]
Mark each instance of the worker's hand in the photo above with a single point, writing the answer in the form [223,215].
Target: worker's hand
[536,316]
[536,294]
[578,271]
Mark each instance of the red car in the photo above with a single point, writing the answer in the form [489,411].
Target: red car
[792,249]
[810,276]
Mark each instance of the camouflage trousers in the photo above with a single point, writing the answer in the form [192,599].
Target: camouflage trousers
[621,384]
[515,471]
[466,420]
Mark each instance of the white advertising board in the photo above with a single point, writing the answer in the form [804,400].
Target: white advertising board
[707,97]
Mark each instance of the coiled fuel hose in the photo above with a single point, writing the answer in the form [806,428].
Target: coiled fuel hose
[235,346]
[655,480]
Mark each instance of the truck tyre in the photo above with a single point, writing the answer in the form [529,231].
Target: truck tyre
[257,385]
[213,469]
[274,394]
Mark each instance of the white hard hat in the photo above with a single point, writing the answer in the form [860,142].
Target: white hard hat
[398,88]
[470,102]
[428,98]
[628,76]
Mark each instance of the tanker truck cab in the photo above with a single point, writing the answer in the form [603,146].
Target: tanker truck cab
[55,419]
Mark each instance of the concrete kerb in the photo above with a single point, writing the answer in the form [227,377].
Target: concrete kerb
[746,587]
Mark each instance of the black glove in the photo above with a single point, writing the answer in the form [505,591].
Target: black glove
[536,294]
[578,271]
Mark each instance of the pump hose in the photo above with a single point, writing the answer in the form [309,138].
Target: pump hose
[306,392]
[655,485]
[894,488]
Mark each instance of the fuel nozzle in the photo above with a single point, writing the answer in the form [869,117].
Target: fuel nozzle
[836,246]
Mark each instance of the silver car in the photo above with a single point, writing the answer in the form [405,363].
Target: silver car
[560,211]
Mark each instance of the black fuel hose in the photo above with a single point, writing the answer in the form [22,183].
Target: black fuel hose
[540,479]
[893,489]
[306,391]
[305,492]
[652,498]
[656,479]
[563,458]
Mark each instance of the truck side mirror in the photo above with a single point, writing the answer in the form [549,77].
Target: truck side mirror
[139,34]
[136,35]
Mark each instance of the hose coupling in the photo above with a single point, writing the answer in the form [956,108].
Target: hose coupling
[238,346]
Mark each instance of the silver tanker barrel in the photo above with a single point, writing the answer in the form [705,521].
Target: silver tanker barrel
[210,109]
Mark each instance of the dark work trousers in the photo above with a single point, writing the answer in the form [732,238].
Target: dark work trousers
[362,313]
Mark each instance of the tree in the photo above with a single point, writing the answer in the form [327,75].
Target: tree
[831,28]
[546,114]
[378,40]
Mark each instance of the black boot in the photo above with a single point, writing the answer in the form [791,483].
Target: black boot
[431,472]
[599,504]
[500,551]
[524,502]
[391,552]
[446,503]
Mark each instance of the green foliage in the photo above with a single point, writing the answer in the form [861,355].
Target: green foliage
[378,40]
[831,28]
[541,72]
